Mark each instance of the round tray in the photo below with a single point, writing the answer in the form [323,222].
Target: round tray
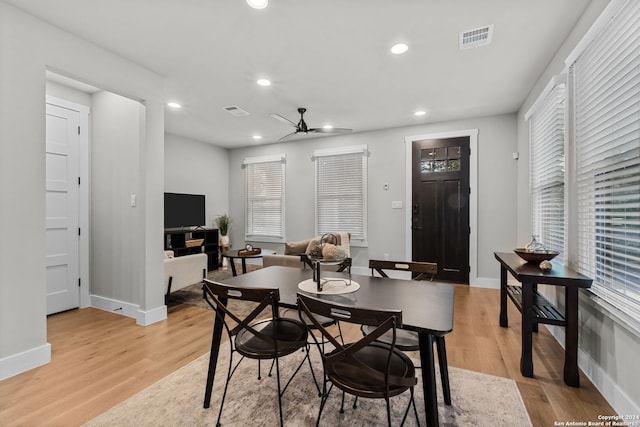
[535,257]
[331,286]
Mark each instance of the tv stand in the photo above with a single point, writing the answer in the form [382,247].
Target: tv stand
[176,240]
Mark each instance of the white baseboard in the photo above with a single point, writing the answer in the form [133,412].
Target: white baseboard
[485,282]
[143,318]
[600,379]
[146,318]
[115,306]
[22,362]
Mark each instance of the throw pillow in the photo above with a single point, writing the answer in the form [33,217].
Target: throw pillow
[296,248]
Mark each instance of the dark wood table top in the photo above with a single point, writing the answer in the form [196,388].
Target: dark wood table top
[426,307]
[235,254]
[531,273]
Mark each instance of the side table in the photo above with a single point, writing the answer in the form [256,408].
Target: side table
[536,309]
[232,255]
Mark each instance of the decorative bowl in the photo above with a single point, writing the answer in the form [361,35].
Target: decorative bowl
[535,257]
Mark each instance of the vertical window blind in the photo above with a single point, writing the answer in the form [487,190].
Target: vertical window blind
[264,197]
[547,174]
[341,191]
[607,142]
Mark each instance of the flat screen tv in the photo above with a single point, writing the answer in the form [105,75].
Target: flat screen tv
[183,210]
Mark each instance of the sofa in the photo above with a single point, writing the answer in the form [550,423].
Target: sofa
[294,250]
[180,272]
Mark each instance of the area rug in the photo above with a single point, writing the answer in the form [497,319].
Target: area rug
[192,294]
[177,400]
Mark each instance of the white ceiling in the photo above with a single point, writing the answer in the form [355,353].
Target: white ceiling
[330,56]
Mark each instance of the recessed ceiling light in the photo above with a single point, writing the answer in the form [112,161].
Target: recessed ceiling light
[399,48]
[174,105]
[258,4]
[327,127]
[264,82]
[257,137]
[420,113]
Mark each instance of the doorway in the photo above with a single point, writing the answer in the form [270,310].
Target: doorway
[66,205]
[440,206]
[447,191]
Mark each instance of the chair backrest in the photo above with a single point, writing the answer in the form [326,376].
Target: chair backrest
[217,296]
[383,320]
[420,270]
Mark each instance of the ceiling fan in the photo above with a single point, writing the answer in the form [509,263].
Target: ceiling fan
[302,128]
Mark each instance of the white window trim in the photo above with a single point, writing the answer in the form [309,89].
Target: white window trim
[601,297]
[256,237]
[540,102]
[336,151]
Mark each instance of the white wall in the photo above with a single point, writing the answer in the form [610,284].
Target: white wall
[608,348]
[28,47]
[196,167]
[387,227]
[116,123]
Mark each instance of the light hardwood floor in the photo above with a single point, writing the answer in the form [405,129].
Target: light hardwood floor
[100,359]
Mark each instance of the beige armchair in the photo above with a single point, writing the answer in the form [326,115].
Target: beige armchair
[180,272]
[293,251]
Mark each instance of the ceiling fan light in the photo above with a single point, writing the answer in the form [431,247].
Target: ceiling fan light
[399,48]
[258,4]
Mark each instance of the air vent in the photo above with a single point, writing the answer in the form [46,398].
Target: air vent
[235,110]
[476,37]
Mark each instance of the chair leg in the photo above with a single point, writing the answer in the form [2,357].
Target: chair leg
[226,386]
[297,370]
[412,402]
[388,411]
[323,401]
[279,393]
[444,370]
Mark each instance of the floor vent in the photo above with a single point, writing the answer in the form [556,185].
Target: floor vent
[235,110]
[476,37]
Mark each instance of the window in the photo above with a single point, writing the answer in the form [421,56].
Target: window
[547,173]
[264,198]
[341,191]
[606,96]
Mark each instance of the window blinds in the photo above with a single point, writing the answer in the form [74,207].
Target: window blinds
[264,197]
[607,138]
[341,191]
[547,173]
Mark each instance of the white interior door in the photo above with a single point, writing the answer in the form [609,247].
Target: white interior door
[62,208]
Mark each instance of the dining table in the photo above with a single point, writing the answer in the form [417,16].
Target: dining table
[427,308]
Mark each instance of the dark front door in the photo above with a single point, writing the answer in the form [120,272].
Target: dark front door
[440,206]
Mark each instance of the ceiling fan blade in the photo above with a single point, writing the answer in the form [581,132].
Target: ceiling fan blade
[287,136]
[329,130]
[284,120]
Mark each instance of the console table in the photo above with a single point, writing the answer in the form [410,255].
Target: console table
[536,309]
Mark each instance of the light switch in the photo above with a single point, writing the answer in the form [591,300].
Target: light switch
[133,200]
[396,204]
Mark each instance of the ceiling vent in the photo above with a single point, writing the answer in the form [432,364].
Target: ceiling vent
[235,110]
[476,37]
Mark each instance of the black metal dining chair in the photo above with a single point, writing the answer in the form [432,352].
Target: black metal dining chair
[365,368]
[408,340]
[264,339]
